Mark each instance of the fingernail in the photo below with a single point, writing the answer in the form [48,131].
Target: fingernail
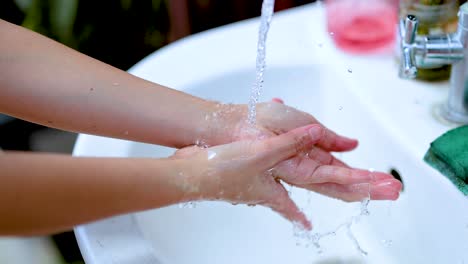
[315,132]
[386,190]
[379,176]
[384,183]
[278,100]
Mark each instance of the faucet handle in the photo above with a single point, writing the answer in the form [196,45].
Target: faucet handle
[408,29]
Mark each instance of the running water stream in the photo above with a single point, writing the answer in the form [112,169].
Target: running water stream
[265,20]
[267,13]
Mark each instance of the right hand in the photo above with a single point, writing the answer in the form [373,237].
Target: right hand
[247,172]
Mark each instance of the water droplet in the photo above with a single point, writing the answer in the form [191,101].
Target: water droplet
[320,45]
[251,205]
[340,108]
[201,143]
[116,84]
[332,33]
[309,197]
[189,205]
[387,242]
[211,154]
[126,132]
[350,70]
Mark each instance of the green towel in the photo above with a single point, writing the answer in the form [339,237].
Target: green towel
[449,155]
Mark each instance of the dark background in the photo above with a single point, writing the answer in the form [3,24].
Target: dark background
[120,33]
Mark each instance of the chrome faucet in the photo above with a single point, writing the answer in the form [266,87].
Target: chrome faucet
[438,50]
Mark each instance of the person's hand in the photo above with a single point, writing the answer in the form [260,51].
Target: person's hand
[247,172]
[228,123]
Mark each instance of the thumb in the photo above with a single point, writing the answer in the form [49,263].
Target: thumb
[289,144]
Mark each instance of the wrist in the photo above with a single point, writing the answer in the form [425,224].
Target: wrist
[197,178]
[188,177]
[223,123]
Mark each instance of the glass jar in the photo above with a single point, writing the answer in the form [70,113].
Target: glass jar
[435,17]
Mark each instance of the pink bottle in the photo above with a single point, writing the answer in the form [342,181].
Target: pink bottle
[362,26]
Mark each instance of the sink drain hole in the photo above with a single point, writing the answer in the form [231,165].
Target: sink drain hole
[394,172]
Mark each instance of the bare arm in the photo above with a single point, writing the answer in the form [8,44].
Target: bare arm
[46,193]
[45,82]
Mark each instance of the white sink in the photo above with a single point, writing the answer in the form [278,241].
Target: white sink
[356,96]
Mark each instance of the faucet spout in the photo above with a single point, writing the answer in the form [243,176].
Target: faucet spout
[456,108]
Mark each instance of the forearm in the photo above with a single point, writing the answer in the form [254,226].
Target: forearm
[47,193]
[45,82]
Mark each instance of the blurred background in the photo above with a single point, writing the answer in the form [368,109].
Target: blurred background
[120,33]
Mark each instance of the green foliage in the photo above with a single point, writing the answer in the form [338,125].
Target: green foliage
[53,18]
[117,32]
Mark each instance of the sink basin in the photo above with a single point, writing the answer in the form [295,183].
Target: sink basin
[355,96]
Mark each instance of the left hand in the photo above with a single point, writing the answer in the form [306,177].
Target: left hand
[247,172]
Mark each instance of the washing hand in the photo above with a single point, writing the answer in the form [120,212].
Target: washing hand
[275,118]
[251,171]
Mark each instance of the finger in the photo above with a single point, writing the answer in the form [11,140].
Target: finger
[286,207]
[337,162]
[186,152]
[289,118]
[380,190]
[305,171]
[334,142]
[278,100]
[345,176]
[324,157]
[279,148]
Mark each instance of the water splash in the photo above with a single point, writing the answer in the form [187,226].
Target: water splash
[306,238]
[267,13]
